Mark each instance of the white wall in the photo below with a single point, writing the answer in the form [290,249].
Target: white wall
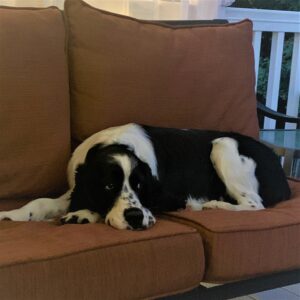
[33,3]
[145,9]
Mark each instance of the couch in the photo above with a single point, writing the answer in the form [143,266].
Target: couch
[65,75]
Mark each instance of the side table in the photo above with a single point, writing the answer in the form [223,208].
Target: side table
[286,143]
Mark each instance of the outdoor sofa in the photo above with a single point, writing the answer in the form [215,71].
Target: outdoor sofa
[65,75]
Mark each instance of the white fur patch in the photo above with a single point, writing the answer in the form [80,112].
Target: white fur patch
[195,204]
[39,209]
[149,220]
[214,204]
[237,173]
[125,163]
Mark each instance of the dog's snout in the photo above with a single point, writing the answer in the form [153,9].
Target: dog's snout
[134,217]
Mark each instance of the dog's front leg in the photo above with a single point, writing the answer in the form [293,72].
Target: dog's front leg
[80,210]
[39,210]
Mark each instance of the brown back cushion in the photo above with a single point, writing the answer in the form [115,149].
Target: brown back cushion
[125,70]
[34,102]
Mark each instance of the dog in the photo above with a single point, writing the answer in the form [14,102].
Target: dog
[126,175]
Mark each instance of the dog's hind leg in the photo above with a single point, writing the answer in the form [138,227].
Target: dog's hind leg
[237,173]
[40,209]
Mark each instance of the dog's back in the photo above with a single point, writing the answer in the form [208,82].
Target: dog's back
[185,167]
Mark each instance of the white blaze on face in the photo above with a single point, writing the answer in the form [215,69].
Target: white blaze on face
[127,198]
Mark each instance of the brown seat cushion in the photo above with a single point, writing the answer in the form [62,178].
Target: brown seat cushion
[245,244]
[40,260]
[123,70]
[34,102]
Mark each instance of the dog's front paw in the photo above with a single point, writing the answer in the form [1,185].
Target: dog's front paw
[83,216]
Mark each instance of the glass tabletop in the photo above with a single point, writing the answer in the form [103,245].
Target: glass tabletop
[282,138]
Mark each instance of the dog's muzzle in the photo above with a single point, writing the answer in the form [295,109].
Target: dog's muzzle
[135,219]
[132,217]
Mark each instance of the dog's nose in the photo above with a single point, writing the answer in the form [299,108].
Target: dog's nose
[134,217]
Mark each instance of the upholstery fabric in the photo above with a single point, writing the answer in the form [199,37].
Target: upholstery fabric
[246,244]
[124,70]
[34,102]
[41,260]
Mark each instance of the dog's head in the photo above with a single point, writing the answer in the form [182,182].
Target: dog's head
[117,185]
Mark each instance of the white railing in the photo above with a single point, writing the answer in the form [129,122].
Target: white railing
[277,22]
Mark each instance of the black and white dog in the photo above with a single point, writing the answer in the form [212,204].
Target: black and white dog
[124,174]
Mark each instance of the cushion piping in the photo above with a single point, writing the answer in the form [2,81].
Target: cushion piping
[195,225]
[28,7]
[155,23]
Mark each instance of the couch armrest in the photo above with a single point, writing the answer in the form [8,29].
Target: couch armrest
[267,112]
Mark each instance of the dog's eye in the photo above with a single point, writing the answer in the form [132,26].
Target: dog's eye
[109,187]
[138,186]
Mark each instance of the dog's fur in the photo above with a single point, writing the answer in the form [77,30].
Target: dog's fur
[124,174]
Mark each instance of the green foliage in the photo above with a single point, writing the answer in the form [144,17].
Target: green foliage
[285,72]
[286,68]
[293,5]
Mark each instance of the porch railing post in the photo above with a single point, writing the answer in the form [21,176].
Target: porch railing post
[256,46]
[274,75]
[294,87]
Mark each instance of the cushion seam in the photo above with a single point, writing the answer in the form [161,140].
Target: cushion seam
[193,223]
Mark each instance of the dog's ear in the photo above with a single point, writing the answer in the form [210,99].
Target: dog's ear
[79,195]
[92,153]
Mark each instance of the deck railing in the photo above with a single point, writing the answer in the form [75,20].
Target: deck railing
[279,23]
